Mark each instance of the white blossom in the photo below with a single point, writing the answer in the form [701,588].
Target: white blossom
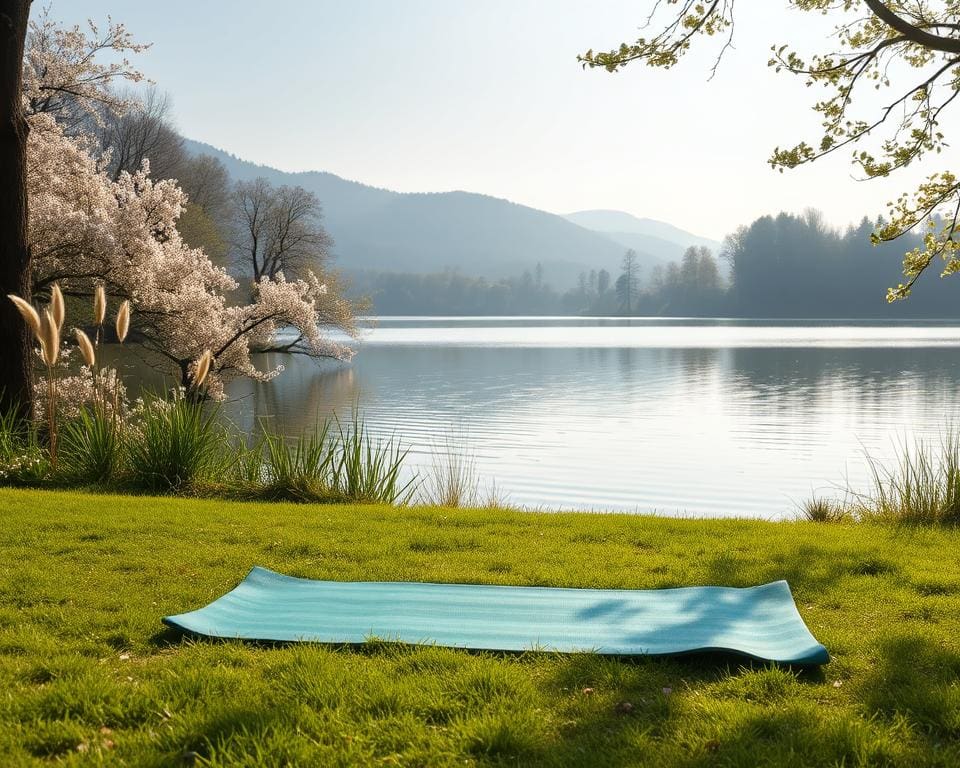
[86,229]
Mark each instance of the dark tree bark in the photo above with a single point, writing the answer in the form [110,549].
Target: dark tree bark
[16,376]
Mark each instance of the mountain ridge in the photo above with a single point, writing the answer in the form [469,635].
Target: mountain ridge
[661,238]
[479,235]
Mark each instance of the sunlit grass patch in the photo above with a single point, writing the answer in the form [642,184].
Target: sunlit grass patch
[92,676]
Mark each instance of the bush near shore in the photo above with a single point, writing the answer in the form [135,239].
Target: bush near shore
[177,446]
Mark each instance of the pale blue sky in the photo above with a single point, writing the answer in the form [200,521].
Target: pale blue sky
[487,96]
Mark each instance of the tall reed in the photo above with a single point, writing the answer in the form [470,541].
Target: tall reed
[46,327]
[451,478]
[921,487]
[179,445]
[299,469]
[369,470]
[122,326]
[22,460]
[90,448]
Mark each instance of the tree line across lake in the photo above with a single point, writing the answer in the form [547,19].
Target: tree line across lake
[778,266]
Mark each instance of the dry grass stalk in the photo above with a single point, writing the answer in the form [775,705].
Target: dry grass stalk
[50,351]
[123,327]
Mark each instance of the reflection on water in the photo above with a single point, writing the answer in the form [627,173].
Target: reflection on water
[644,418]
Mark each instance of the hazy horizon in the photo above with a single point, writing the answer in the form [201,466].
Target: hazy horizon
[436,96]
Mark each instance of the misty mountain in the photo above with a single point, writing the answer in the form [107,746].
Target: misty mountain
[477,235]
[659,239]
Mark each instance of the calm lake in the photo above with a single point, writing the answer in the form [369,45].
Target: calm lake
[676,417]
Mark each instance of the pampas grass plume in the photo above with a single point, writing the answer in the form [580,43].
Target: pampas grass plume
[28,313]
[50,339]
[57,307]
[86,348]
[203,368]
[123,320]
[99,305]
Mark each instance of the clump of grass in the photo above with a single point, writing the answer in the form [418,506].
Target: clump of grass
[341,464]
[451,480]
[364,469]
[247,470]
[13,434]
[495,497]
[23,461]
[90,448]
[922,487]
[178,444]
[297,470]
[819,509]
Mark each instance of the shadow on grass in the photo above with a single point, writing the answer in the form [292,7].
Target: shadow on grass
[697,666]
[914,685]
[917,679]
[593,724]
[812,568]
[229,724]
[673,720]
[712,664]
[167,637]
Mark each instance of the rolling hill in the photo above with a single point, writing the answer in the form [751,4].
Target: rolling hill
[478,235]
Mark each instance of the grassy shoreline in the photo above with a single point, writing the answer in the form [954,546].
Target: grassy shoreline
[91,676]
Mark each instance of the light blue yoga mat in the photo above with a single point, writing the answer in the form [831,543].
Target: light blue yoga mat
[760,622]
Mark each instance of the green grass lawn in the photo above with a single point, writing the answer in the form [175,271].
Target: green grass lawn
[88,675]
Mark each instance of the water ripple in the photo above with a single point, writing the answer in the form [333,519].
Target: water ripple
[682,417]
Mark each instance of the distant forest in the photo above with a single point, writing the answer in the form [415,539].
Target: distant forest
[779,266]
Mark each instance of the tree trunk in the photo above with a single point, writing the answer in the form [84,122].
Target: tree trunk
[16,375]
